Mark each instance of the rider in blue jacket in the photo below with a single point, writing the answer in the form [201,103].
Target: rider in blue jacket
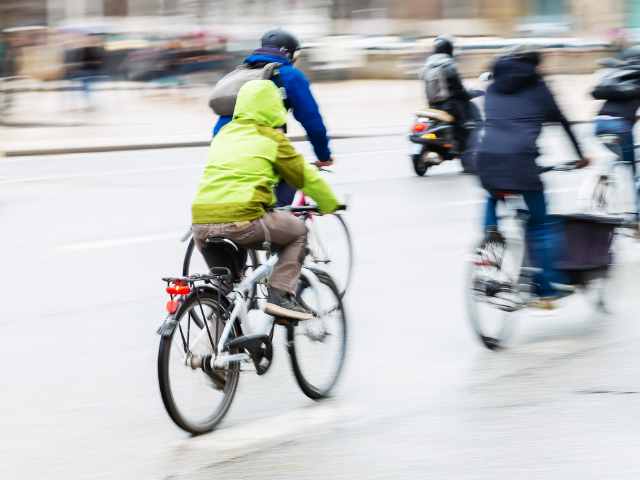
[282,47]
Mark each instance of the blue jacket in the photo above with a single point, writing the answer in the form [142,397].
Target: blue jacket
[517,104]
[299,99]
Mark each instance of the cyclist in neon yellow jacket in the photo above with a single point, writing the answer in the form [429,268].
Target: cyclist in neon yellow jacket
[246,161]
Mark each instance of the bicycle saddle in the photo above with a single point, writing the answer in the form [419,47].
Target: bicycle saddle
[223,252]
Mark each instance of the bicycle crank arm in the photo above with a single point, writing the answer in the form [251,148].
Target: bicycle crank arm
[209,362]
[222,361]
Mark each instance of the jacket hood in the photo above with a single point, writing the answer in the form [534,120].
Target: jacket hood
[268,55]
[512,75]
[260,102]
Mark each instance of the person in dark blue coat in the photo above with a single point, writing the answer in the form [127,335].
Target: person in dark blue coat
[282,47]
[517,104]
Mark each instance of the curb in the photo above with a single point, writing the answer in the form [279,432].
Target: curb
[33,152]
[197,455]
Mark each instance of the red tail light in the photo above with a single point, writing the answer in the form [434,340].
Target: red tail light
[419,127]
[178,288]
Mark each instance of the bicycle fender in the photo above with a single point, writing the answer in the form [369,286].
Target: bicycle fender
[168,326]
[171,321]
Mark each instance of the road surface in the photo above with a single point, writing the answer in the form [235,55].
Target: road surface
[86,239]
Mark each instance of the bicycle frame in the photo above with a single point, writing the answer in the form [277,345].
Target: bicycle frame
[239,312]
[608,177]
[515,236]
[314,238]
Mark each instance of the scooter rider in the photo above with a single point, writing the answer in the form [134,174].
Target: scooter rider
[444,89]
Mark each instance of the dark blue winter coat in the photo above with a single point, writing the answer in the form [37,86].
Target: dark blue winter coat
[517,104]
[299,99]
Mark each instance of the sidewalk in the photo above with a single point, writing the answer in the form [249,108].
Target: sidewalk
[46,123]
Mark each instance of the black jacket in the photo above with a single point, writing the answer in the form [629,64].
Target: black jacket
[620,88]
[517,104]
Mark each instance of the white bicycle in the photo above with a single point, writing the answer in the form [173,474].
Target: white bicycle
[612,191]
[207,338]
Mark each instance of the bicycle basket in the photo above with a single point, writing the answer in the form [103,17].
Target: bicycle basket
[584,241]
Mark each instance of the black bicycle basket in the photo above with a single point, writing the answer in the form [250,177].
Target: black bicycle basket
[583,242]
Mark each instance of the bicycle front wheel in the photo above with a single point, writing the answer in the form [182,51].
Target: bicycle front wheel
[331,248]
[317,347]
[492,297]
[195,400]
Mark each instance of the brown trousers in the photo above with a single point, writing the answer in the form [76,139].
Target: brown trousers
[286,231]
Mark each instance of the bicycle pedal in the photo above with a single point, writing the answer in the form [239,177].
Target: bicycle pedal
[259,347]
[249,342]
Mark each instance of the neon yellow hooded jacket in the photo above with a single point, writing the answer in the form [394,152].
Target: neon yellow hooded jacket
[249,157]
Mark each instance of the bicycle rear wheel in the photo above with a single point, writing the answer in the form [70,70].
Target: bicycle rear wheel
[317,347]
[331,248]
[196,401]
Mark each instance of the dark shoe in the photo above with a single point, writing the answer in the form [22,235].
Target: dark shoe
[284,305]
[544,303]
[493,236]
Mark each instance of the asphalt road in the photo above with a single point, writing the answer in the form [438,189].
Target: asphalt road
[86,239]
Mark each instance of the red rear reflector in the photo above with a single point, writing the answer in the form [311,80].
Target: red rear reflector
[419,127]
[172,306]
[483,263]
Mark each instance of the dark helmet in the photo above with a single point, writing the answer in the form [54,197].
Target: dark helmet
[443,44]
[282,40]
[524,53]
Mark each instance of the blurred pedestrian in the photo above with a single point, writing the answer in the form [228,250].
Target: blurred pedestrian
[170,61]
[7,57]
[84,64]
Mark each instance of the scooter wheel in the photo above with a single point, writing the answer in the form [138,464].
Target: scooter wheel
[419,165]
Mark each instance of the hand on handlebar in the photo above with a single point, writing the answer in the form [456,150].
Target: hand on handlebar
[583,162]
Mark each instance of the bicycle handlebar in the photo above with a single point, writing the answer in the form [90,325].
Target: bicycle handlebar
[562,167]
[309,209]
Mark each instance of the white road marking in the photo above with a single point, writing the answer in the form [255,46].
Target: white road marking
[119,242]
[141,239]
[137,171]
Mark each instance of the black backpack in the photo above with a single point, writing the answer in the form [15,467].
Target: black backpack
[618,84]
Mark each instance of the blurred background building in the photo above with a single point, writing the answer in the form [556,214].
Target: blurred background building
[418,17]
[213,34]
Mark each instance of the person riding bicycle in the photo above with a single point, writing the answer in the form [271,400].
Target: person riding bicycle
[281,47]
[445,91]
[621,91]
[517,104]
[235,197]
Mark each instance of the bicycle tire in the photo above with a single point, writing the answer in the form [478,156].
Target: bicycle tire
[491,340]
[164,380]
[344,283]
[294,346]
[600,196]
